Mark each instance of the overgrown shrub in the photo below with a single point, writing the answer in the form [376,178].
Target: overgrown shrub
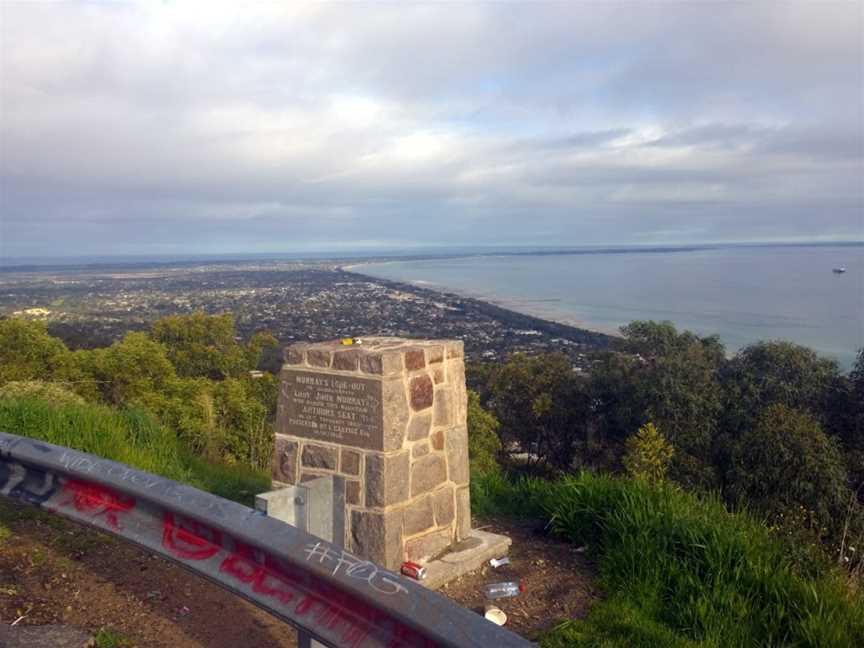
[648,455]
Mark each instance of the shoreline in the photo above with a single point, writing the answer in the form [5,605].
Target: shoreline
[488,300]
[541,311]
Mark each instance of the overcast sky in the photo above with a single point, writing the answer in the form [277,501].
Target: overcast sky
[174,127]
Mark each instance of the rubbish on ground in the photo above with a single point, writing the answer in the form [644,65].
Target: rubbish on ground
[581,549]
[350,341]
[502,590]
[183,611]
[415,571]
[497,562]
[495,615]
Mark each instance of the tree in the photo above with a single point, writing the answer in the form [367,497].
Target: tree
[206,346]
[776,372]
[28,352]
[845,414]
[785,461]
[134,370]
[674,382]
[483,441]
[616,402]
[648,455]
[543,406]
[243,419]
[651,339]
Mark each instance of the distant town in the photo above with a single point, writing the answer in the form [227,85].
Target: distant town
[296,301]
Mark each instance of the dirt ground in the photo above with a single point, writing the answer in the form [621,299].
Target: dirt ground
[54,572]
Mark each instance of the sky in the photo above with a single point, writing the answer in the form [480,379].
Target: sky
[251,127]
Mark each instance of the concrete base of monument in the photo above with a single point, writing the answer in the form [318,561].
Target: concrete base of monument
[470,554]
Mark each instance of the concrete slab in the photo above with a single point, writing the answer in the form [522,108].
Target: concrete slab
[466,556]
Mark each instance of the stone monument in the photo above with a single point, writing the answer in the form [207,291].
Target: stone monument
[389,416]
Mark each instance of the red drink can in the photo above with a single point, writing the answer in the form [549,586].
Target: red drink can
[415,571]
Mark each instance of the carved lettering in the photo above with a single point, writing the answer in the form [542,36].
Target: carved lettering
[334,408]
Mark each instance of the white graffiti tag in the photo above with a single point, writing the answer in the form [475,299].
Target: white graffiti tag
[353,567]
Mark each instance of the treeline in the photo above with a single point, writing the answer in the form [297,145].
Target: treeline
[190,372]
[775,429]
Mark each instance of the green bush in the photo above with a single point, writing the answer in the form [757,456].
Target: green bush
[483,441]
[775,372]
[28,352]
[205,346]
[679,570]
[648,455]
[542,406]
[787,463]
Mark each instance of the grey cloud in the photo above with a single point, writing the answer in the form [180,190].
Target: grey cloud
[154,126]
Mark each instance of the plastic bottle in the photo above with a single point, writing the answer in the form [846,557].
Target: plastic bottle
[502,590]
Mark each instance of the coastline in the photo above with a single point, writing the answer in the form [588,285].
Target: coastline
[540,315]
[735,335]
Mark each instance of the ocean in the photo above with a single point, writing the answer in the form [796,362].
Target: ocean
[741,293]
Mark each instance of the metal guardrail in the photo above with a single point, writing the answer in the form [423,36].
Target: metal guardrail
[339,599]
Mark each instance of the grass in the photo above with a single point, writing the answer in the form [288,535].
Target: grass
[678,570]
[131,437]
[110,638]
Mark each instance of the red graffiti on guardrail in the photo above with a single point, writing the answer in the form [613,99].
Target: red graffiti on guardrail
[93,500]
[326,606]
[189,539]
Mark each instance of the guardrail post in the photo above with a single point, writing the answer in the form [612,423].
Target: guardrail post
[317,507]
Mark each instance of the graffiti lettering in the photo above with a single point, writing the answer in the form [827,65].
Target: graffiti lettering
[95,500]
[191,499]
[131,475]
[32,485]
[268,580]
[354,568]
[326,606]
[189,539]
[77,463]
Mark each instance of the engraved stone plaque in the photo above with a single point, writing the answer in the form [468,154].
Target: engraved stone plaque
[334,408]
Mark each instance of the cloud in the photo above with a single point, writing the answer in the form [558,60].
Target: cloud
[270,126]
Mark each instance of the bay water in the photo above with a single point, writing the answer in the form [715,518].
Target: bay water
[741,293]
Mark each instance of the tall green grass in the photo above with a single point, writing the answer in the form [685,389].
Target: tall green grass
[131,437]
[680,570]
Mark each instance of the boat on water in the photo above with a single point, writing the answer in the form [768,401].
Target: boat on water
[839,270]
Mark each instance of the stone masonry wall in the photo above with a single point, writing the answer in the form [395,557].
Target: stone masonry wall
[389,415]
